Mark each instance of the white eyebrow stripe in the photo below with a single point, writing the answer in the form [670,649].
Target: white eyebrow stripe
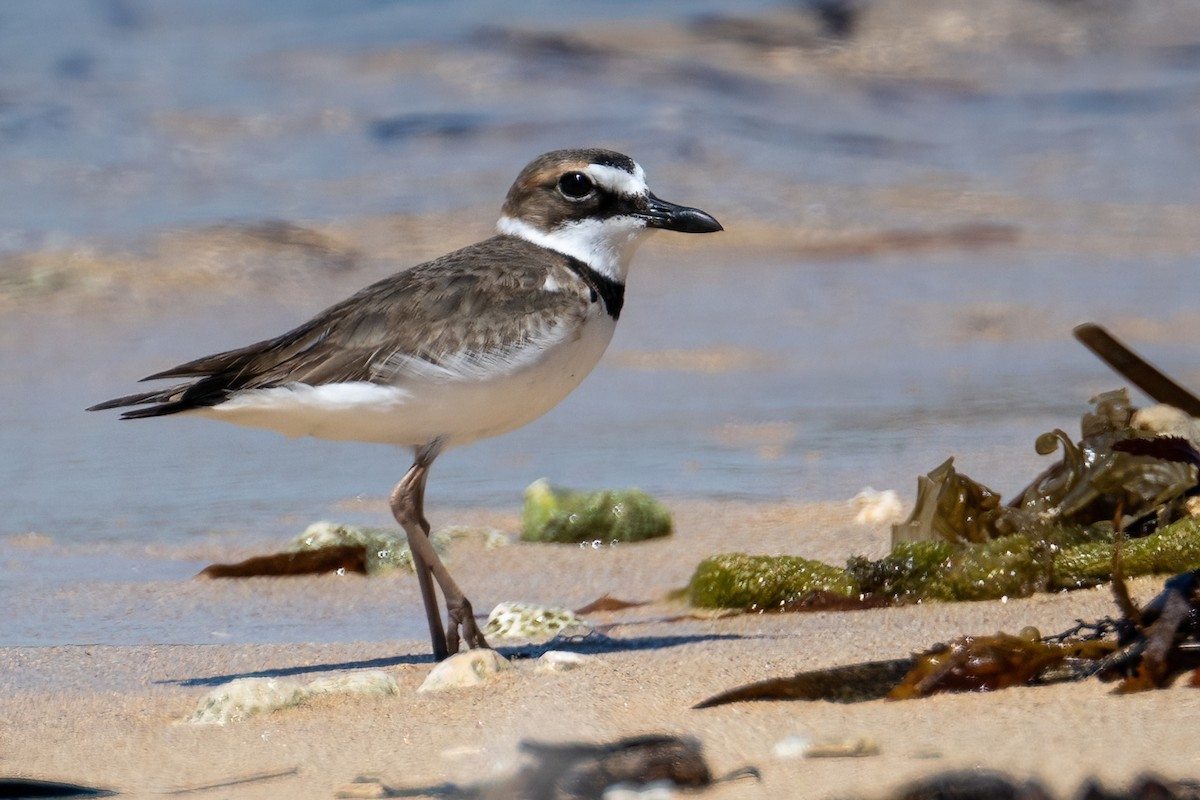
[618,180]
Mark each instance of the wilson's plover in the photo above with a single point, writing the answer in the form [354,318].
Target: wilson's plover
[470,345]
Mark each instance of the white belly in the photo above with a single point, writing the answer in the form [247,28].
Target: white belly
[417,410]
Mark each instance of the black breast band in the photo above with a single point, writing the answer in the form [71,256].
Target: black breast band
[602,286]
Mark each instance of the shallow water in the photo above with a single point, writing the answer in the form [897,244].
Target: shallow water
[801,370]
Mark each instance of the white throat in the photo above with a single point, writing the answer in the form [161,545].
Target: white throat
[606,246]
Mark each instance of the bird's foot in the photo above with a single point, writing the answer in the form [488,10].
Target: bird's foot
[462,617]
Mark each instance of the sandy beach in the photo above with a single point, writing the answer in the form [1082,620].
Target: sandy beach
[918,211]
[110,716]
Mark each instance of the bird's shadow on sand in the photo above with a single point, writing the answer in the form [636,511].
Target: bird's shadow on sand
[592,644]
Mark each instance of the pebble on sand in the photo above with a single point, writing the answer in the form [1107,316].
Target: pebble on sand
[560,661]
[472,668]
[248,697]
[516,620]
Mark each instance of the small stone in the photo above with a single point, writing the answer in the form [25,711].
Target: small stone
[492,538]
[1165,420]
[792,747]
[516,620]
[472,668]
[362,789]
[560,661]
[843,748]
[245,698]
[370,682]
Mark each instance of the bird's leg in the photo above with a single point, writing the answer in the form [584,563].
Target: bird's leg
[459,613]
[402,510]
[408,507]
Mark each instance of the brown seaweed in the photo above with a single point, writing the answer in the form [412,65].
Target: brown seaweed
[1168,448]
[29,788]
[1163,642]
[966,664]
[336,558]
[989,663]
[1074,498]
[1137,370]
[1147,649]
[950,506]
[854,683]
[607,602]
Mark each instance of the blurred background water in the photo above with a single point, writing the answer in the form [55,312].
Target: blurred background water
[921,199]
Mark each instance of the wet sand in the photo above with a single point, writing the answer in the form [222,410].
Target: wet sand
[109,716]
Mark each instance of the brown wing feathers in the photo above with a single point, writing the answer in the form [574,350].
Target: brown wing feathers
[455,303]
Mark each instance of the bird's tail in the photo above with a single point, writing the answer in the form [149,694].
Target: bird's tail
[157,403]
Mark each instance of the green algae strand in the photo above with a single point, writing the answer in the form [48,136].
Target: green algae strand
[1012,566]
[737,580]
[1174,549]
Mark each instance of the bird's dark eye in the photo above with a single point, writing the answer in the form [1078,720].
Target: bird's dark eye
[575,185]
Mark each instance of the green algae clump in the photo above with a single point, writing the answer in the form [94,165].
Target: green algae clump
[1174,549]
[938,570]
[737,580]
[554,514]
[904,574]
[1013,566]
